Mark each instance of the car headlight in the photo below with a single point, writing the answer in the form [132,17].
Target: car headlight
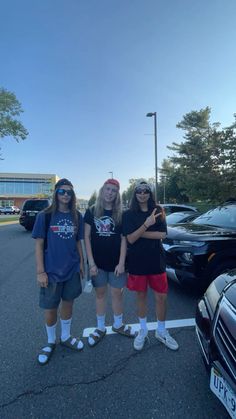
[187,257]
[212,295]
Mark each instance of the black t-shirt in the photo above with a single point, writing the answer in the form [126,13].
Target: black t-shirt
[105,239]
[145,256]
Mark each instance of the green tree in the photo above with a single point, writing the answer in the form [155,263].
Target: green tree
[92,199]
[10,109]
[204,161]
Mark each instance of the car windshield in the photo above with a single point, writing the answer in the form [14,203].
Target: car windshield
[223,216]
[35,205]
[175,217]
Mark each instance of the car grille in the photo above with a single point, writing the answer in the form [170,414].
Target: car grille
[225,334]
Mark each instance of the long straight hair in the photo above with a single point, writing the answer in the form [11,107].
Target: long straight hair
[53,208]
[116,206]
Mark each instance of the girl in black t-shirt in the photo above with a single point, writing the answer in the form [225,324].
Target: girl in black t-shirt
[106,252]
[144,226]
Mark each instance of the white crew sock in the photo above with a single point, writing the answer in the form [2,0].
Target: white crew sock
[65,329]
[143,323]
[118,320]
[161,327]
[51,333]
[101,322]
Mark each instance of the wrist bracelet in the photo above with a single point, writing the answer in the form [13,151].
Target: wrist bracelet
[145,226]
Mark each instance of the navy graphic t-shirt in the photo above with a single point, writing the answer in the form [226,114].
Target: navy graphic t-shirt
[105,239]
[61,258]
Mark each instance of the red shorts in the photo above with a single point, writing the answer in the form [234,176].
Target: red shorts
[157,282]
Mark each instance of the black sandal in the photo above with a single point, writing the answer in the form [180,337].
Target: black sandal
[96,338]
[47,354]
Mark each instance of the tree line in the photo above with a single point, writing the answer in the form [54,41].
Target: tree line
[202,166]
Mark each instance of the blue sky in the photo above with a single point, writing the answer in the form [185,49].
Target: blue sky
[87,72]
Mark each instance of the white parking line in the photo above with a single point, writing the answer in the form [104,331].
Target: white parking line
[170,324]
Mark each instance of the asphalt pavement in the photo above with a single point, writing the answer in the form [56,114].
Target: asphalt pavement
[108,381]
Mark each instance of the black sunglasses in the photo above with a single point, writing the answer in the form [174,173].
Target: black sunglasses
[140,190]
[65,191]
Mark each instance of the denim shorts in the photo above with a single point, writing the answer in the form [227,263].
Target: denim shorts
[51,296]
[103,278]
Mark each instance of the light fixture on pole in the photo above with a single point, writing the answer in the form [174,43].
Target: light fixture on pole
[150,114]
[111,173]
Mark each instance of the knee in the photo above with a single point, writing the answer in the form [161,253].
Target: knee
[116,293]
[100,293]
[142,296]
[161,298]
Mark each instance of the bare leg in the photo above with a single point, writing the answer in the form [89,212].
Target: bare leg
[51,317]
[117,300]
[66,309]
[161,303]
[142,303]
[101,294]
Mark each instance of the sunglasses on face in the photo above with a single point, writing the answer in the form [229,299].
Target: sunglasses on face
[140,190]
[64,191]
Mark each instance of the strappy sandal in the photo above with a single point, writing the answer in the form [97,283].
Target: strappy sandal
[96,338]
[124,330]
[72,343]
[47,354]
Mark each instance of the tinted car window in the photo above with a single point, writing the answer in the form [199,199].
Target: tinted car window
[224,216]
[35,205]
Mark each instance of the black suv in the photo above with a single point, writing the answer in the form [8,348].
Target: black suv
[216,333]
[198,252]
[30,209]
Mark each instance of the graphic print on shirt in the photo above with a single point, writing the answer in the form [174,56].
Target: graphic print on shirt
[105,226]
[64,228]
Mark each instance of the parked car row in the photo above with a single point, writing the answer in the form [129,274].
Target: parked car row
[10,210]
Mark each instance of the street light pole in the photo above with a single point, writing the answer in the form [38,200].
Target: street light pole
[111,174]
[150,114]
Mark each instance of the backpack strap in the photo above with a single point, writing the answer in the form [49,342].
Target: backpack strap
[48,216]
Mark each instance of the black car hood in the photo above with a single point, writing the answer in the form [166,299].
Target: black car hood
[201,232]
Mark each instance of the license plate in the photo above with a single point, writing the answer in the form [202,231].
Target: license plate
[223,391]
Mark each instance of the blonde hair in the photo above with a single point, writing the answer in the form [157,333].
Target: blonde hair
[116,206]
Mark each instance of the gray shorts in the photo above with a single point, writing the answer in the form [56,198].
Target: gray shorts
[51,296]
[103,278]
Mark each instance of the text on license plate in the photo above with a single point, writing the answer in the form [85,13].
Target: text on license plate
[223,391]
